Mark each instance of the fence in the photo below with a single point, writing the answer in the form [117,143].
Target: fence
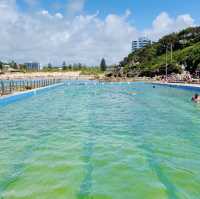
[10,86]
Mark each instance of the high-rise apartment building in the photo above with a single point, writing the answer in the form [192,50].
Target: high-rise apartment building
[140,43]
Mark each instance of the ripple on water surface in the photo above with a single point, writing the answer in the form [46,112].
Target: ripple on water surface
[111,141]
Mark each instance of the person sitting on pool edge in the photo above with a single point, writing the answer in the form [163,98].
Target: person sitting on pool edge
[196,98]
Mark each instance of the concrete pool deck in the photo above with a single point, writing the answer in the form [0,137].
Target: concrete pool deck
[7,99]
[186,86]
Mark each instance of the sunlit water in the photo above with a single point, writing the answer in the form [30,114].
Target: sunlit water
[111,141]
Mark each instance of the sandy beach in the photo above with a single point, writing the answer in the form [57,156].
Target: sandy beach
[65,76]
[45,75]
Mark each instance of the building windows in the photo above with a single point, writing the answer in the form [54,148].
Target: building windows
[140,43]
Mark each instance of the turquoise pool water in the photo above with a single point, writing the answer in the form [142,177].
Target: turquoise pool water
[103,141]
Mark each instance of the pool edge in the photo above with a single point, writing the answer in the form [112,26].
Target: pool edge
[179,86]
[5,100]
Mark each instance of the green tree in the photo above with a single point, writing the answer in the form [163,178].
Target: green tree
[64,64]
[13,64]
[70,67]
[79,66]
[1,66]
[23,67]
[103,65]
[49,66]
[64,67]
[151,60]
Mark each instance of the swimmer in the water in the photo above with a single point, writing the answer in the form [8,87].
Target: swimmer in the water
[196,98]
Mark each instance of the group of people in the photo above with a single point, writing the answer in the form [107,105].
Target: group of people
[173,78]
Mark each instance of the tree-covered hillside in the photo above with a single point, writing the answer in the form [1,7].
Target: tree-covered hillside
[151,60]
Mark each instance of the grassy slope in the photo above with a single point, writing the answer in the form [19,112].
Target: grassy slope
[153,58]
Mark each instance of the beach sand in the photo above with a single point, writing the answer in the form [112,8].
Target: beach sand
[45,75]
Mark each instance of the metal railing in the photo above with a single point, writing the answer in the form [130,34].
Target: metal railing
[11,86]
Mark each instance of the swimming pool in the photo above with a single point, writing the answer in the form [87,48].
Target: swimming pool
[101,141]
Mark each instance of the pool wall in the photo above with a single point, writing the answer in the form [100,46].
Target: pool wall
[22,95]
[190,87]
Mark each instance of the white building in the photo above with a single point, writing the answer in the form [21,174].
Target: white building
[140,43]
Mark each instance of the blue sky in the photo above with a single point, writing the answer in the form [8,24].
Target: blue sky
[86,30]
[143,11]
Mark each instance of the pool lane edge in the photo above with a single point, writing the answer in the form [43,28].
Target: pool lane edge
[5,100]
[191,87]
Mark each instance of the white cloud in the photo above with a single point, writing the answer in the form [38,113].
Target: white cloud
[183,21]
[127,13]
[44,13]
[75,6]
[52,37]
[164,24]
[7,11]
[59,15]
